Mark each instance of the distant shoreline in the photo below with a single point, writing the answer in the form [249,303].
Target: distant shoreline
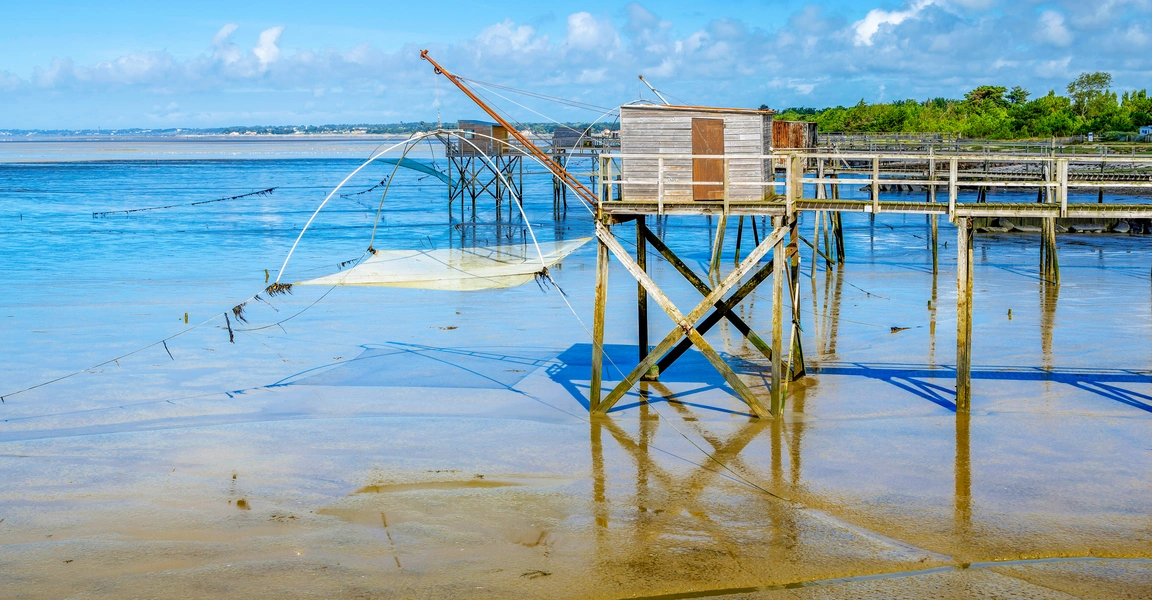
[213,137]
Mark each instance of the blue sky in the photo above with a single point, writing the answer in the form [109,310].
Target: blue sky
[203,64]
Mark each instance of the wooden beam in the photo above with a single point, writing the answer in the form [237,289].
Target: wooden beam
[796,368]
[963,315]
[685,323]
[777,315]
[598,325]
[641,294]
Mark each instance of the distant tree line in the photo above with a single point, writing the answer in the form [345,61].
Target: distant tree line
[996,112]
[402,128]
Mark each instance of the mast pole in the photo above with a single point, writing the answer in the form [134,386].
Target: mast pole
[542,156]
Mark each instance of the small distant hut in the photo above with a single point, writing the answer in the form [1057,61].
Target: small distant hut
[481,134]
[787,135]
[738,136]
[567,138]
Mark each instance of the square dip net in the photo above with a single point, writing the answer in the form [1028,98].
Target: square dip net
[459,269]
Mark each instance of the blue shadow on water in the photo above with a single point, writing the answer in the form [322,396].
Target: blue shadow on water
[415,365]
[575,365]
[911,378]
[398,364]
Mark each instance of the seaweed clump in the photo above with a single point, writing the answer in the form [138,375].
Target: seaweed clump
[277,289]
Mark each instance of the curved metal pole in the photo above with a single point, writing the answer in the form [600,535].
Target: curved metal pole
[333,193]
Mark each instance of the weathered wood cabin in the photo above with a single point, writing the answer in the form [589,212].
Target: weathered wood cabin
[567,138]
[793,135]
[481,133]
[738,136]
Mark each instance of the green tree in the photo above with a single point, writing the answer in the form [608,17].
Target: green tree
[993,94]
[1087,89]
[1018,95]
[1138,106]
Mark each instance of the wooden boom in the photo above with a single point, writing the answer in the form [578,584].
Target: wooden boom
[557,170]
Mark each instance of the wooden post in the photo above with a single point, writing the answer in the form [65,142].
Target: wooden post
[598,325]
[796,368]
[935,241]
[963,314]
[875,185]
[641,294]
[739,238]
[1063,169]
[778,258]
[718,244]
[953,168]
[1100,196]
[1049,260]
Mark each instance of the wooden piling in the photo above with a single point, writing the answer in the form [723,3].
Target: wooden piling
[778,258]
[963,314]
[796,368]
[598,325]
[641,294]
[935,240]
[739,238]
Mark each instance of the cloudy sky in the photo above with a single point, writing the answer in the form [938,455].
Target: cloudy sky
[214,63]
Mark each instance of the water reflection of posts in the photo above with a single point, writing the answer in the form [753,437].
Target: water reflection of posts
[832,310]
[963,474]
[600,505]
[681,494]
[932,322]
[1049,294]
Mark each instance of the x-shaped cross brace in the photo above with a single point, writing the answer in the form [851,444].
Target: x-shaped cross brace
[723,309]
[685,324]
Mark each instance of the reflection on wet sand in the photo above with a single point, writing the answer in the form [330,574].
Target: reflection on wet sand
[1049,295]
[963,474]
[932,322]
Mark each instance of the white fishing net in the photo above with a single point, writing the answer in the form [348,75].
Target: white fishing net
[459,269]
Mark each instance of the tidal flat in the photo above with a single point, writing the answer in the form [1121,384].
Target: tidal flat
[386,442]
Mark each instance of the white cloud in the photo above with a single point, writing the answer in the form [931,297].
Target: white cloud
[508,40]
[586,32]
[919,49]
[1052,69]
[222,47]
[869,26]
[1052,30]
[266,50]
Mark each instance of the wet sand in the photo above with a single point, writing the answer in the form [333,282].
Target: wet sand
[406,443]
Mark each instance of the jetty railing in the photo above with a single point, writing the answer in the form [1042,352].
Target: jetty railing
[664,183]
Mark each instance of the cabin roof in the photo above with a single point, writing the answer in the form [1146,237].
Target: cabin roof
[665,107]
[475,122]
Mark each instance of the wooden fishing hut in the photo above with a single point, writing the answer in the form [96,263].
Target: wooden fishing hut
[477,157]
[702,161]
[714,137]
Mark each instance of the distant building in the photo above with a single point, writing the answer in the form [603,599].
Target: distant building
[1146,130]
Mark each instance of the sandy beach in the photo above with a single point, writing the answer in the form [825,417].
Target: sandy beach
[383,442]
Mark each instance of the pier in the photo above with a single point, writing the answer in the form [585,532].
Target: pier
[632,187]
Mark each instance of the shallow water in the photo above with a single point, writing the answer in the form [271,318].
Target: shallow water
[406,442]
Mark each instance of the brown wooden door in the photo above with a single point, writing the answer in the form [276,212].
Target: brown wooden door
[708,138]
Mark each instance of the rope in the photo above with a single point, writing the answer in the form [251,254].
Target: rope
[132,210]
[556,99]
